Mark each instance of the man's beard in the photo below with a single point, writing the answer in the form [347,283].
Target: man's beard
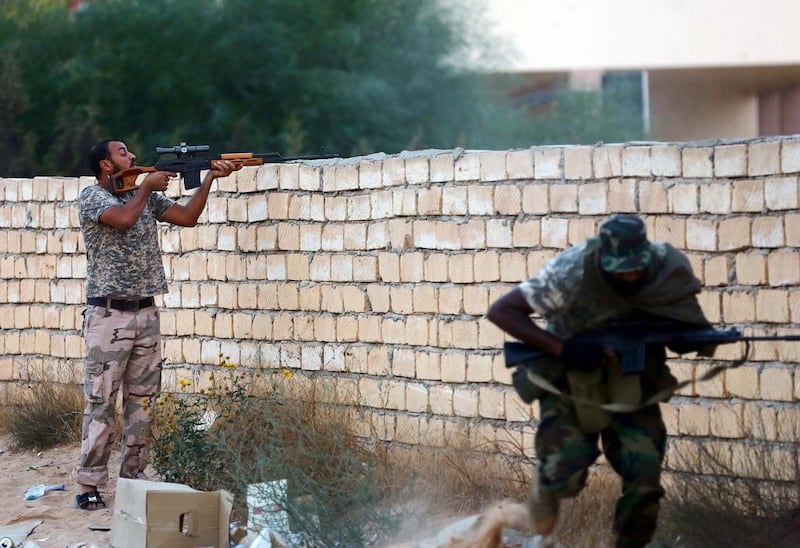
[626,289]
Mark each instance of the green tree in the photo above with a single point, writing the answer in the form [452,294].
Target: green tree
[353,76]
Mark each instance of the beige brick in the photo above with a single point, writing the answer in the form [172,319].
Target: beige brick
[738,307]
[526,233]
[777,384]
[593,198]
[436,267]
[454,367]
[580,229]
[400,299]
[519,164]
[465,402]
[716,271]
[697,162]
[513,267]
[742,382]
[411,267]
[417,170]
[607,161]
[403,363]
[507,199]
[768,232]
[734,233]
[430,201]
[665,161]
[790,156]
[535,199]
[772,305]
[715,197]
[764,158]
[694,420]
[748,195]
[429,366]
[491,402]
[425,299]
[480,200]
[447,235]
[682,198]
[671,231]
[487,267]
[750,268]
[460,269]
[578,162]
[548,163]
[441,399]
[701,235]
[498,233]
[727,420]
[783,268]
[479,369]
[636,161]
[493,166]
[467,167]
[730,161]
[760,422]
[554,232]
[442,168]
[621,195]
[653,197]
[781,193]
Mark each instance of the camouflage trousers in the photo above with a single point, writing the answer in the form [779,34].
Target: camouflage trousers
[123,350]
[634,445]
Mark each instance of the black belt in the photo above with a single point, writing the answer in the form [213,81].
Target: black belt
[121,304]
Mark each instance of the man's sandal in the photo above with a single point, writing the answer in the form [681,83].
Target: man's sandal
[90,501]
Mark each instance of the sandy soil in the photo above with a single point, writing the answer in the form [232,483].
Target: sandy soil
[63,524]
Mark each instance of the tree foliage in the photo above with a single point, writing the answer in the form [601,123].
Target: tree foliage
[352,76]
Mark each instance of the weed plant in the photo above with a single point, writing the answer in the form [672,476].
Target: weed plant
[750,500]
[44,415]
[231,436]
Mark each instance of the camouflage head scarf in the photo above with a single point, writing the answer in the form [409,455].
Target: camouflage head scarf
[623,244]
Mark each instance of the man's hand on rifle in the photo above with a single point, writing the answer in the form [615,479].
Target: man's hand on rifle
[223,168]
[157,181]
[584,355]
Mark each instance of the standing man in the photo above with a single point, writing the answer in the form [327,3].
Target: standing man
[618,275]
[121,325]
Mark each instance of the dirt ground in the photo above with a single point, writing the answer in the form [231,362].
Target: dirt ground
[62,524]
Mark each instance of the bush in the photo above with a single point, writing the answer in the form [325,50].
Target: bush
[45,415]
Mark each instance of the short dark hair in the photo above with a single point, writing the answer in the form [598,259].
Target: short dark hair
[97,153]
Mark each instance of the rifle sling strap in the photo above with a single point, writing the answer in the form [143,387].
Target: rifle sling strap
[658,397]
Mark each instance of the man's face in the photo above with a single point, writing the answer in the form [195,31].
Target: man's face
[626,283]
[120,156]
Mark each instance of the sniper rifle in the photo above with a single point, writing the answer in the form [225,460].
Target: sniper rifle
[189,160]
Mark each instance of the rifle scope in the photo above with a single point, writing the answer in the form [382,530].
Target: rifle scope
[181,149]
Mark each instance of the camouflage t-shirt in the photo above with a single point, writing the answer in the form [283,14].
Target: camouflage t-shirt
[122,263]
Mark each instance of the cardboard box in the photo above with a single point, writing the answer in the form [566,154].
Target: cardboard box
[152,514]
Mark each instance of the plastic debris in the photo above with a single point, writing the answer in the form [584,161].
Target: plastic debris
[37,491]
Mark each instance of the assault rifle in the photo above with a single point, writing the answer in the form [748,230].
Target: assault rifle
[630,339]
[189,160]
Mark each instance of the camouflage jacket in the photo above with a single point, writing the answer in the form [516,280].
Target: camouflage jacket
[572,295]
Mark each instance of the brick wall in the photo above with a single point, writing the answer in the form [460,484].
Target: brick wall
[370,276]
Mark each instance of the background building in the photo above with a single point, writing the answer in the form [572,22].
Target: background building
[707,69]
